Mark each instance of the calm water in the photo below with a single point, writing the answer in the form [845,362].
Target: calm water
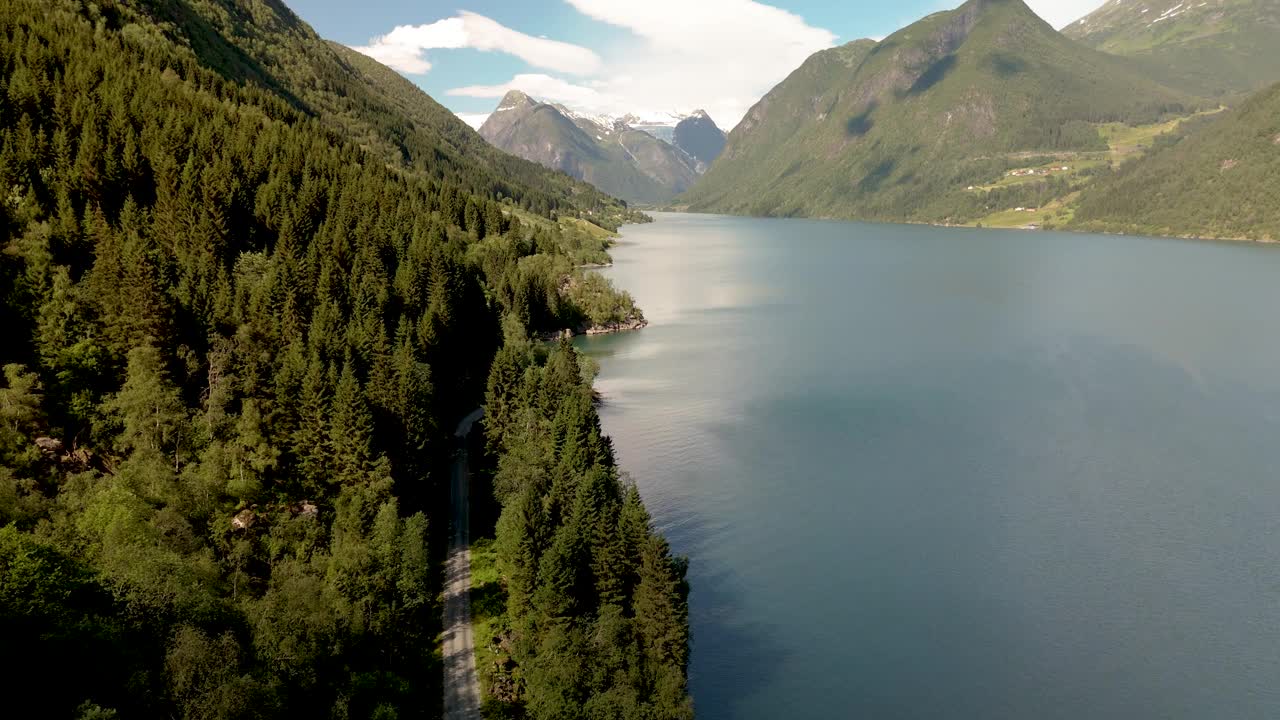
[941,473]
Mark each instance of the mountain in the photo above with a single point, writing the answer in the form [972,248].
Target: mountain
[699,136]
[1207,47]
[1221,180]
[905,129]
[606,152]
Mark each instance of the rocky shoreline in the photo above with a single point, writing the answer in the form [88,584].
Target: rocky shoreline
[604,329]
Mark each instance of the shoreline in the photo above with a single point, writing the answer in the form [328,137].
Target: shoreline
[1071,230]
[590,330]
[629,324]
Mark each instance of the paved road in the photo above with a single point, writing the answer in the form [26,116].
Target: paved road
[461,685]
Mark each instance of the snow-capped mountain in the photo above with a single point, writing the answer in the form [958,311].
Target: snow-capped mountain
[636,157]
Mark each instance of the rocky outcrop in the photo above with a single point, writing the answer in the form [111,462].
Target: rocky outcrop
[593,329]
[244,520]
[613,327]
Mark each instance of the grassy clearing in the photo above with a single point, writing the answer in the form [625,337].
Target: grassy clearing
[1011,219]
[1058,212]
[488,623]
[590,228]
[1128,140]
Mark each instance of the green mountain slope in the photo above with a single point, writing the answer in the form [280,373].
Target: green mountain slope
[899,130]
[264,42]
[1219,180]
[1208,47]
[622,161]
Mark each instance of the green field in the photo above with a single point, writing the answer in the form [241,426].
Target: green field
[1124,142]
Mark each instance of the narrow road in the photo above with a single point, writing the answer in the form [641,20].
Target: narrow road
[461,685]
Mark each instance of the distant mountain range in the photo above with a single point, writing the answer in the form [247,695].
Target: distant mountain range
[640,160]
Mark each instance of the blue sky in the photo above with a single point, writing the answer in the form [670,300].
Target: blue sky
[614,56]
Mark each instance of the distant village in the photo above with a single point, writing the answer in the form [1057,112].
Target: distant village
[1028,172]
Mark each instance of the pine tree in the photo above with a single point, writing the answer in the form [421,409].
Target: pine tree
[502,394]
[661,609]
[149,408]
[520,548]
[311,438]
[596,513]
[350,447]
[253,457]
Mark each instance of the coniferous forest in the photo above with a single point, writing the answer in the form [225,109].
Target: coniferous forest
[238,331]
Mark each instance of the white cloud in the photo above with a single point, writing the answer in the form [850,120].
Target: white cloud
[405,46]
[475,120]
[720,55]
[1060,13]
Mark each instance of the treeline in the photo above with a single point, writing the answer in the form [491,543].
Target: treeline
[596,612]
[235,345]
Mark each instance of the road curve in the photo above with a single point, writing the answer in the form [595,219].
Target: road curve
[461,684]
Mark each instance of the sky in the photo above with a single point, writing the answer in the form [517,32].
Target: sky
[648,57]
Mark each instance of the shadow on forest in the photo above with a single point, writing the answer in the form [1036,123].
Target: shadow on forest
[488,601]
[861,124]
[877,176]
[934,75]
[1007,65]
[219,55]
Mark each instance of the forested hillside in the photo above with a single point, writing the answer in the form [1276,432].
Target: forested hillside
[1220,180]
[237,336]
